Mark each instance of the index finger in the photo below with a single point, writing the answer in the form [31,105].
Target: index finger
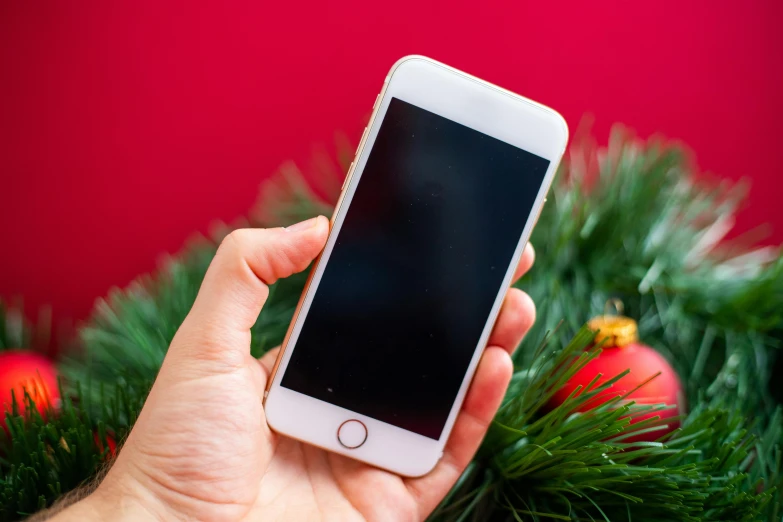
[525,262]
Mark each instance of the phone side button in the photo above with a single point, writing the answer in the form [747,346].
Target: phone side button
[347,177]
[352,433]
[364,134]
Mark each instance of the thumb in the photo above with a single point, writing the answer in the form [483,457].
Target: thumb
[235,286]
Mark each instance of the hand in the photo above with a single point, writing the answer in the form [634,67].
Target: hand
[201,448]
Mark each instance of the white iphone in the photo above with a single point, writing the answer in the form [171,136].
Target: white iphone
[448,181]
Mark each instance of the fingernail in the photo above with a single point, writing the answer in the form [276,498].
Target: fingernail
[302,225]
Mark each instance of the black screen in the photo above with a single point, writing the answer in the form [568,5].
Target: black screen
[417,265]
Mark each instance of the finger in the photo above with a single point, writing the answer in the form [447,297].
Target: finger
[516,317]
[525,262]
[235,285]
[481,403]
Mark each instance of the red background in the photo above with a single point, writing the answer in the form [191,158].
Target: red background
[127,126]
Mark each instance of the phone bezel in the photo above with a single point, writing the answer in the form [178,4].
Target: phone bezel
[472,102]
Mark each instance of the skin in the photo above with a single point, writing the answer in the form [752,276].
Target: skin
[201,448]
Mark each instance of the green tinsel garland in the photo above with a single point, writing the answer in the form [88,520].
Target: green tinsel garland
[627,221]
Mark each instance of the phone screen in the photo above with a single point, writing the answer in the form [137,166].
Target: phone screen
[415,270]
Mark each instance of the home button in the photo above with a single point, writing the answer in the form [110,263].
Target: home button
[352,433]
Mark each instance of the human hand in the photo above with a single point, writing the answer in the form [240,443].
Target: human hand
[201,448]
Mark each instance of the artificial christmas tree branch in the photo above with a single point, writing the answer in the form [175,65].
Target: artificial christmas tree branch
[631,221]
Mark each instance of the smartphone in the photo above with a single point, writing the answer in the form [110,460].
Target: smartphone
[448,180]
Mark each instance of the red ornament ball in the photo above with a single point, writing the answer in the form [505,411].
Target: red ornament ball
[621,351]
[110,442]
[23,370]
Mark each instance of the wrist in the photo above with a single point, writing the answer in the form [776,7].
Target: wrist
[122,504]
[121,495]
[113,501]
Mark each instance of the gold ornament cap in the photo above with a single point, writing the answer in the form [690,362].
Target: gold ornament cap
[614,330]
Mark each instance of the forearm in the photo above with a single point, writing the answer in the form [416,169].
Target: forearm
[72,505]
[83,508]
[91,503]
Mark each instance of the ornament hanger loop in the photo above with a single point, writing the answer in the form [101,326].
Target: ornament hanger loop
[615,303]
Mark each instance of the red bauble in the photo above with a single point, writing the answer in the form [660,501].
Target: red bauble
[23,370]
[109,442]
[622,351]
